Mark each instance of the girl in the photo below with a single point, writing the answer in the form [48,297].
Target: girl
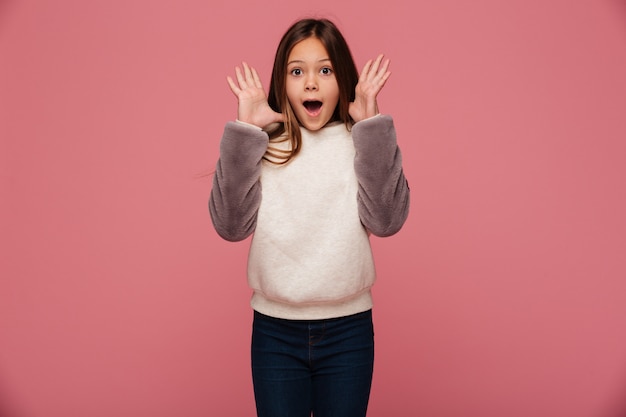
[311,170]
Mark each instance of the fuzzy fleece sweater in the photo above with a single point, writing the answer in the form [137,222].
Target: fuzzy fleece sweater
[310,255]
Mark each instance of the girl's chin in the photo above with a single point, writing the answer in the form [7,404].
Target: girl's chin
[313,124]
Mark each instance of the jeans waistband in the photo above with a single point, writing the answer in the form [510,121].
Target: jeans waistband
[328,320]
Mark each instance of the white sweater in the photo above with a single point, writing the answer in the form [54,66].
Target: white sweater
[310,256]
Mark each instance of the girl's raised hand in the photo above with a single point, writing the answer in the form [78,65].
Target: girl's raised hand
[371,81]
[252,107]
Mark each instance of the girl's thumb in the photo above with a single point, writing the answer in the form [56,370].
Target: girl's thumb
[279,117]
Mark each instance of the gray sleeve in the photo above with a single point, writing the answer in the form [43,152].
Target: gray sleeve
[236,192]
[383,195]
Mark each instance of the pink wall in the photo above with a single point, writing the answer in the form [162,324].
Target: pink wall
[504,295]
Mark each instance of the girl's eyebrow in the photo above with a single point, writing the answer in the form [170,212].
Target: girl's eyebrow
[300,61]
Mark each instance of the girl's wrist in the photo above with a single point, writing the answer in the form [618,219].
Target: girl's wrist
[248,124]
[368,118]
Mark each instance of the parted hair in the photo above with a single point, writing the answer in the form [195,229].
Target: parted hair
[345,72]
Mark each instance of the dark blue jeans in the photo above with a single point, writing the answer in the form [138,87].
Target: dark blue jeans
[319,366]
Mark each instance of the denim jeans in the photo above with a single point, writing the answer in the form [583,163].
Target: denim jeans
[319,366]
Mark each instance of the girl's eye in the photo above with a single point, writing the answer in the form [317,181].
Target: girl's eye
[326,71]
[296,71]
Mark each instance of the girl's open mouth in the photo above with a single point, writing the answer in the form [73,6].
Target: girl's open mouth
[313,107]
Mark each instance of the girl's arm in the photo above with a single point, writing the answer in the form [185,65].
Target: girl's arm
[383,190]
[236,192]
[383,195]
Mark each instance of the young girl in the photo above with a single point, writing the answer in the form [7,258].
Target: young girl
[312,170]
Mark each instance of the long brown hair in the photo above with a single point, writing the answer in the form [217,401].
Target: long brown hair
[346,75]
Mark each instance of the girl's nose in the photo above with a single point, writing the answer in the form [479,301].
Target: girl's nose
[311,84]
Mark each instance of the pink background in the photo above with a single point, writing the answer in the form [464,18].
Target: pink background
[503,296]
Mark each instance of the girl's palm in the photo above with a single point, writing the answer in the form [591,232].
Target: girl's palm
[371,81]
[253,107]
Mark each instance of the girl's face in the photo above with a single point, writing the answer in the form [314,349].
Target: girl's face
[312,89]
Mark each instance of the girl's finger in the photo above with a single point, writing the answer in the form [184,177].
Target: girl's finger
[365,71]
[383,80]
[257,79]
[376,64]
[233,86]
[383,70]
[248,74]
[240,79]
[383,74]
